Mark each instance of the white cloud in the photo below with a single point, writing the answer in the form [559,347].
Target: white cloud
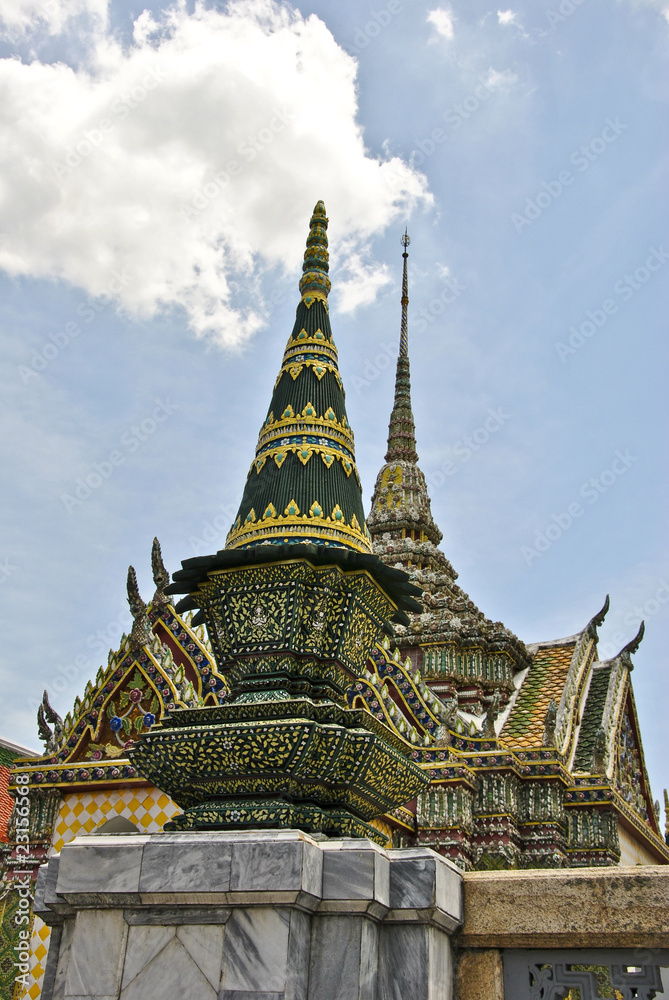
[661,6]
[442,20]
[359,279]
[177,171]
[507,16]
[500,79]
[18,17]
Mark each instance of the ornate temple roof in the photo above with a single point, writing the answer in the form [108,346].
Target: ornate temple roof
[544,683]
[303,485]
[533,752]
[164,663]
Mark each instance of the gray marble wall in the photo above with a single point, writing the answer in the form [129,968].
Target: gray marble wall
[256,915]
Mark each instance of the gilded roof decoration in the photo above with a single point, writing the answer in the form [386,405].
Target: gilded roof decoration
[315,284]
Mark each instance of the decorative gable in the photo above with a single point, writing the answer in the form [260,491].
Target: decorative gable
[165,663]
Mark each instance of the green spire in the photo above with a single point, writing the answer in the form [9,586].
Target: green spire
[304,484]
[315,283]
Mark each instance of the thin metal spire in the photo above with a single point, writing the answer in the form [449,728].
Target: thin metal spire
[401,431]
[404,329]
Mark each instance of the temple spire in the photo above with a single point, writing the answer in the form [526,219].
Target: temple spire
[404,328]
[401,430]
[304,485]
[315,283]
[400,504]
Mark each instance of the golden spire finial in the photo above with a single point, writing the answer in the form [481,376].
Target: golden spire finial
[315,283]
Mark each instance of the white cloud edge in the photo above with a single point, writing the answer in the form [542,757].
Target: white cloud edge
[442,20]
[103,181]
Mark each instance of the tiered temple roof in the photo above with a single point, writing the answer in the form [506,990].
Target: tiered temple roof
[552,703]
[459,641]
[533,753]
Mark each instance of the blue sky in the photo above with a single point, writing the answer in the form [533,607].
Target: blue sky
[157,174]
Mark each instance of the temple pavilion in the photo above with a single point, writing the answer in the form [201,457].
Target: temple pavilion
[495,753]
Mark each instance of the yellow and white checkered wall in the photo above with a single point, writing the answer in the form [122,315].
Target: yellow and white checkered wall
[84,812]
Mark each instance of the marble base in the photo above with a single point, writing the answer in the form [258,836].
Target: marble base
[247,915]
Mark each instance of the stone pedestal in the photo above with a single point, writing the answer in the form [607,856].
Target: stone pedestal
[251,915]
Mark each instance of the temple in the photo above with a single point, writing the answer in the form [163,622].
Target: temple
[544,765]
[325,673]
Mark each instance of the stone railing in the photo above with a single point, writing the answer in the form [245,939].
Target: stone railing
[549,935]
[278,915]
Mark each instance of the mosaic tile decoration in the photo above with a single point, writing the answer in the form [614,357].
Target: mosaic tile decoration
[546,679]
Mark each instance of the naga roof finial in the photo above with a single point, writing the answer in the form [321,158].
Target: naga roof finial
[46,714]
[598,619]
[141,628]
[161,577]
[634,644]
